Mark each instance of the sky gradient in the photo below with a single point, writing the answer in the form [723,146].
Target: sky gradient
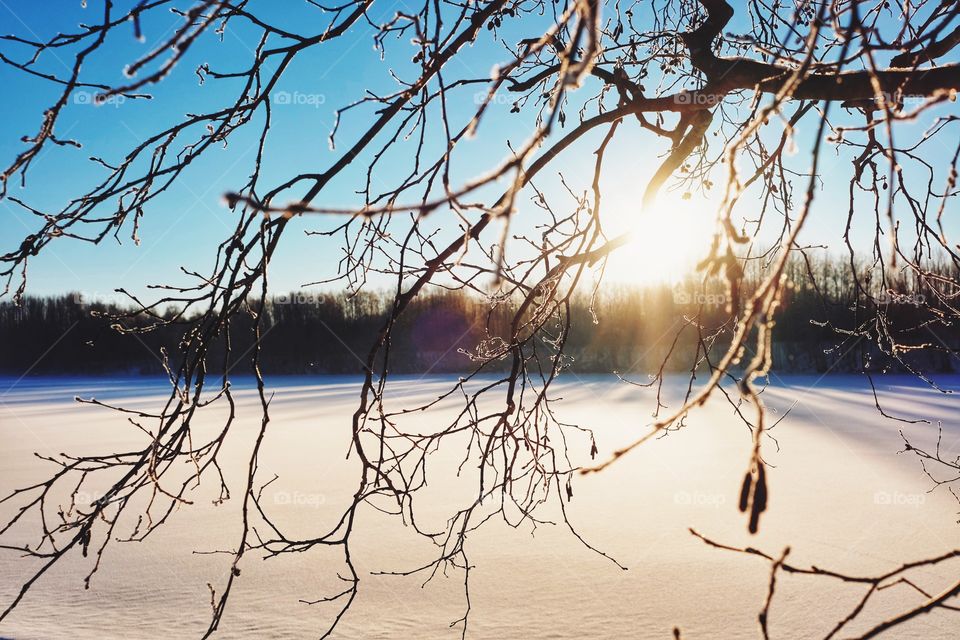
[181,227]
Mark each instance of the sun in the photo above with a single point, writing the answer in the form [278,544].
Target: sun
[666,240]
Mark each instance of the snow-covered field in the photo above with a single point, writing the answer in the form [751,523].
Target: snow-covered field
[840,496]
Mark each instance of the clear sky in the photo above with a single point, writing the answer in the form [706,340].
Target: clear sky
[181,227]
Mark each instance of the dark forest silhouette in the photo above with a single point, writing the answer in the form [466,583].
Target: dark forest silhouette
[634,330]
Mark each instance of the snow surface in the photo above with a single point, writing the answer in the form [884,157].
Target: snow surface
[840,496]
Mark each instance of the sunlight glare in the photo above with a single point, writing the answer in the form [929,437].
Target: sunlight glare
[666,241]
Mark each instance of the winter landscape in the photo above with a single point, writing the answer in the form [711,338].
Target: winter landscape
[846,499]
[479,319]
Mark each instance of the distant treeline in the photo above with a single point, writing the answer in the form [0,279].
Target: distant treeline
[629,330]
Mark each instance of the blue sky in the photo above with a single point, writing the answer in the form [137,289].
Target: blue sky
[182,227]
